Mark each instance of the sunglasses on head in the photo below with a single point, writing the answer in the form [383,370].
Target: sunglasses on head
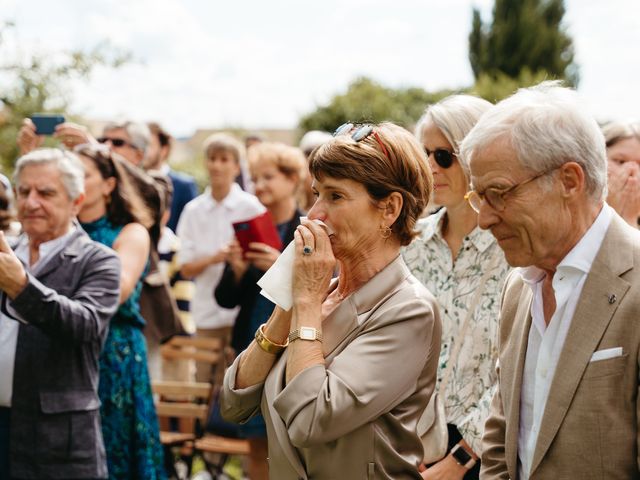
[360,133]
[444,158]
[116,142]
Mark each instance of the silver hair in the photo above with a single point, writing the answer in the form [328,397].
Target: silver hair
[69,165]
[454,116]
[616,131]
[139,133]
[547,127]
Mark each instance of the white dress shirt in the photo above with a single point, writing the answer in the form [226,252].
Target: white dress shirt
[205,227]
[8,326]
[546,342]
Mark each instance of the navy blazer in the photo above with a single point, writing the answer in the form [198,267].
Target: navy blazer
[184,190]
[65,311]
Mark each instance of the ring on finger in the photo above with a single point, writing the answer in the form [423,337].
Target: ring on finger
[307,250]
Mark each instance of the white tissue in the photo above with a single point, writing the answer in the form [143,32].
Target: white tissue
[277,282]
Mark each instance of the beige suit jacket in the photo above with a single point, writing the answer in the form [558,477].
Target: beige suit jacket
[355,417]
[589,428]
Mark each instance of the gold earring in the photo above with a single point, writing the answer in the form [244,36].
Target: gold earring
[385,231]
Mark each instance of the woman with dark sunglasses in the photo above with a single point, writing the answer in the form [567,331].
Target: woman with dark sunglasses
[464,268]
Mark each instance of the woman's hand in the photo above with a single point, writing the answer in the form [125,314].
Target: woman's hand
[234,258]
[72,134]
[28,140]
[624,190]
[262,256]
[312,272]
[445,469]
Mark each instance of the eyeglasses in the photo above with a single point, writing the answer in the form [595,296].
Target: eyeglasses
[117,142]
[444,158]
[360,134]
[495,197]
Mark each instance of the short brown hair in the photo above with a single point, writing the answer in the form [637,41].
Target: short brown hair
[404,169]
[288,160]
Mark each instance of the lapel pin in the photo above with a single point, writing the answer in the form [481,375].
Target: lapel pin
[612,298]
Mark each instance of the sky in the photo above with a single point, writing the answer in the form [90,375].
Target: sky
[210,64]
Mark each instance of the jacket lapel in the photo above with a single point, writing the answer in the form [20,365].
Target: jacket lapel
[590,321]
[514,369]
[70,250]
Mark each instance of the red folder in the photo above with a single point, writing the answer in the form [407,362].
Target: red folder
[258,229]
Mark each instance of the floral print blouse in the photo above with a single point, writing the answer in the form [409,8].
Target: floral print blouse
[472,381]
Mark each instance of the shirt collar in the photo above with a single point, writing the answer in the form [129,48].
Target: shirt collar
[582,255]
[45,249]
[480,239]
[229,202]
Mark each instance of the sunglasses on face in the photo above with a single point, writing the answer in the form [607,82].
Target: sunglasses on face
[444,158]
[360,133]
[116,142]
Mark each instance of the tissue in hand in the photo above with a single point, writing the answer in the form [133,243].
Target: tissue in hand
[277,282]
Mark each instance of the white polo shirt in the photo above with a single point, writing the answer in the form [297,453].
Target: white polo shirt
[546,342]
[205,227]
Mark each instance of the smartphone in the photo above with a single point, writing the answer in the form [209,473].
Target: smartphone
[46,122]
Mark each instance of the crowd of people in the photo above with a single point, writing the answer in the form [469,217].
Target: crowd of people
[461,307]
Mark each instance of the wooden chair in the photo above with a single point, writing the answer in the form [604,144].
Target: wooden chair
[190,402]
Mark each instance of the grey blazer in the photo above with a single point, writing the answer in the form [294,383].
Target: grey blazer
[55,420]
[356,417]
[589,428]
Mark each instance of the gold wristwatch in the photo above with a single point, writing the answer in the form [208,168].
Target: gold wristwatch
[305,333]
[267,345]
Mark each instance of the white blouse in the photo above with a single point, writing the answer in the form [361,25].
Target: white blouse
[473,380]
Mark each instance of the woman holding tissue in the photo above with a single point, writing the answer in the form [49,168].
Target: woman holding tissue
[276,171]
[343,376]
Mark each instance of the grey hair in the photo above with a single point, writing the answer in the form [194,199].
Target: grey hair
[454,116]
[225,142]
[69,165]
[547,127]
[616,131]
[139,133]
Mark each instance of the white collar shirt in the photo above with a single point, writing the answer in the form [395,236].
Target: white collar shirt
[204,228]
[8,326]
[545,342]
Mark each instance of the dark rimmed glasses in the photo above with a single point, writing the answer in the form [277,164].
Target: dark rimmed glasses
[495,197]
[360,133]
[443,157]
[117,142]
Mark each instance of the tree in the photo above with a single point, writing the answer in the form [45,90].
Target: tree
[369,102]
[40,83]
[524,40]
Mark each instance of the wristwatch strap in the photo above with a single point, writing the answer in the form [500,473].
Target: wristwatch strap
[267,345]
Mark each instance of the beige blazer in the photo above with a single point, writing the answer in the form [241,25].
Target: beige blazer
[355,417]
[589,429]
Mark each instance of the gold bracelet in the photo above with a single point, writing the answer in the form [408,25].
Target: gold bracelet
[267,345]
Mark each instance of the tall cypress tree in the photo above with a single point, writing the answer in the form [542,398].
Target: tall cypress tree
[523,35]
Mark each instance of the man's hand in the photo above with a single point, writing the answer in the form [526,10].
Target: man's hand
[13,278]
[28,139]
[72,134]
[445,469]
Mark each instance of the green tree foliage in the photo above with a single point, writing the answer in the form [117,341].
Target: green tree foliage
[368,101]
[524,40]
[41,83]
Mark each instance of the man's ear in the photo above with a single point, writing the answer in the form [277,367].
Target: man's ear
[573,179]
[77,204]
[391,207]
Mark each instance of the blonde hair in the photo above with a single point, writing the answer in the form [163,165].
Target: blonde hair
[288,160]
[223,142]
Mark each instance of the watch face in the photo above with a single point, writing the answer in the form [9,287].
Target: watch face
[461,456]
[307,333]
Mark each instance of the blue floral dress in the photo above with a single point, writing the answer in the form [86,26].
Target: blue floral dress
[129,420]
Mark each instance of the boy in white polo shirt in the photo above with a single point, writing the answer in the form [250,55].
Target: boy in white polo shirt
[205,229]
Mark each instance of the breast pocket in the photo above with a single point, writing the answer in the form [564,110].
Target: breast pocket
[68,425]
[606,368]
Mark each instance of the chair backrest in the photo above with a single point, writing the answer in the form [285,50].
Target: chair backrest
[186,399]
